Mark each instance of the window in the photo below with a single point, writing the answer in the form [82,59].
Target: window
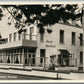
[73,38]
[81,57]
[31,31]
[61,36]
[81,39]
[41,37]
[19,36]
[25,33]
[42,55]
[10,37]
[15,36]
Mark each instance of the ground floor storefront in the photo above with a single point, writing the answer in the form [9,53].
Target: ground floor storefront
[22,56]
[26,56]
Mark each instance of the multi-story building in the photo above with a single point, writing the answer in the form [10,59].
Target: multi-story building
[62,47]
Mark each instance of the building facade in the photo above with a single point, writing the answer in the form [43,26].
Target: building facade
[63,47]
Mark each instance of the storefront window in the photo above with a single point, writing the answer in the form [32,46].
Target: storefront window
[8,60]
[33,59]
[16,59]
[0,58]
[81,57]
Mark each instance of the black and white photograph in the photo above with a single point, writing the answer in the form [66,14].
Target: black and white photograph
[42,41]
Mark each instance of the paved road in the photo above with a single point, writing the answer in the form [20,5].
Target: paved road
[7,76]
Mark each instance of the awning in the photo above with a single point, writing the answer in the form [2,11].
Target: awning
[64,52]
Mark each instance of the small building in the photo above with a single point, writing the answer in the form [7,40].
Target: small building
[63,47]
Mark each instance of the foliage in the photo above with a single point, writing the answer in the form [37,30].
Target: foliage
[49,30]
[40,15]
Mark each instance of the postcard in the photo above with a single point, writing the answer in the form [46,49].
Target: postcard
[42,41]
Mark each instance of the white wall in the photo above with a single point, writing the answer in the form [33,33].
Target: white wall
[54,37]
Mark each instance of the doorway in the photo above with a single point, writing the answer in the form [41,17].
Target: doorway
[64,60]
[42,56]
[30,59]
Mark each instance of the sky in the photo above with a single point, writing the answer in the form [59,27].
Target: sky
[6,29]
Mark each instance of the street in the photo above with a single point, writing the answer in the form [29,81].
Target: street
[7,76]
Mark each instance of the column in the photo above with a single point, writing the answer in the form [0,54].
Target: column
[3,56]
[27,57]
[61,60]
[57,60]
[10,56]
[19,57]
[23,56]
[13,57]
[16,56]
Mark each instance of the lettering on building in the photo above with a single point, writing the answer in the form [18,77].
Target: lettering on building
[49,43]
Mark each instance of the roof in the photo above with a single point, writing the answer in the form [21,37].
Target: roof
[69,24]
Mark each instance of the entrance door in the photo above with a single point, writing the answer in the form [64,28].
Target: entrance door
[42,56]
[30,59]
[63,60]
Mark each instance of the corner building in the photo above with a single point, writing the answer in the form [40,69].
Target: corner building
[63,47]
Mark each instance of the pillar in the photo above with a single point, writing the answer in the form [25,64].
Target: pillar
[19,57]
[27,56]
[13,57]
[57,60]
[61,60]
[23,57]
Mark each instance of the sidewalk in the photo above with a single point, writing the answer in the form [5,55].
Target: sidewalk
[30,73]
[48,74]
[37,73]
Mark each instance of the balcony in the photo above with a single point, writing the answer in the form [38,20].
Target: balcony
[24,40]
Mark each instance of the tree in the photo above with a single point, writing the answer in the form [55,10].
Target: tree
[39,15]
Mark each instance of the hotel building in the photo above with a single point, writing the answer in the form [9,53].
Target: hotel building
[63,47]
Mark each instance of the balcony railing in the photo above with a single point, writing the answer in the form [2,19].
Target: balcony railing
[21,37]
[29,37]
[22,40]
